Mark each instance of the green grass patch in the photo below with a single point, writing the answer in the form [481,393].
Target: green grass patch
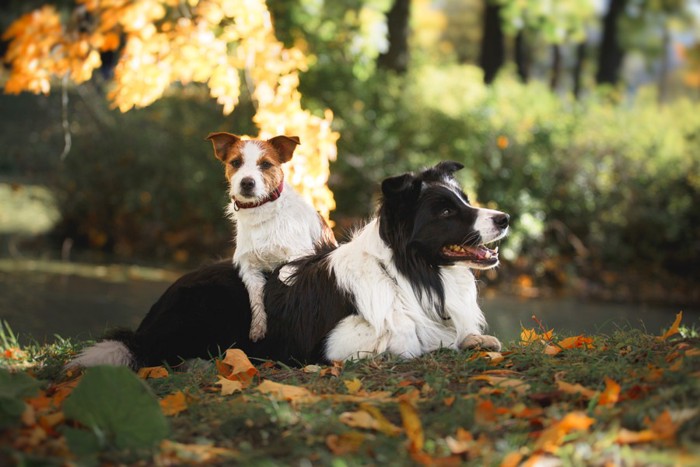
[627,398]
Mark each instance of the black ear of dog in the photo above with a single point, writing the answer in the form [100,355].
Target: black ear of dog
[400,185]
[441,170]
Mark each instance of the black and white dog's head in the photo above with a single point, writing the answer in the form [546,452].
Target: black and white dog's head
[427,221]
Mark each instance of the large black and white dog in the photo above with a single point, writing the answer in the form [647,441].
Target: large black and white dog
[403,285]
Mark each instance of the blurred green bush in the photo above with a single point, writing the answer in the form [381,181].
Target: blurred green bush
[607,183]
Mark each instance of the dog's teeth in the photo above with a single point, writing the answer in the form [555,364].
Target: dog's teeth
[487,255]
[495,250]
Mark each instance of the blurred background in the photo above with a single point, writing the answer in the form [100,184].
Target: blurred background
[581,118]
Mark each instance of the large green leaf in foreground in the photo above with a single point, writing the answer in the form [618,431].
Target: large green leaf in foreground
[118,407]
[13,388]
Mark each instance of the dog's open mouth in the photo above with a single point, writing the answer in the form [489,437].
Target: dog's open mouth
[479,255]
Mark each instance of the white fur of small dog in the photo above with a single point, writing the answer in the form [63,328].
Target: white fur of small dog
[274,224]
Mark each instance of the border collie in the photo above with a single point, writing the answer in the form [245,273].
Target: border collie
[403,285]
[274,224]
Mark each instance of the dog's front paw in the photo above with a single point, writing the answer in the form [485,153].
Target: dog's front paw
[480,341]
[258,325]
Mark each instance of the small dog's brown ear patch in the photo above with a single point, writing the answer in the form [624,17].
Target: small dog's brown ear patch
[222,142]
[285,146]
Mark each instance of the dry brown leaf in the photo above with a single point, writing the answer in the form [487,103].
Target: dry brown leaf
[228,387]
[312,369]
[611,393]
[345,443]
[553,436]
[287,392]
[412,425]
[152,372]
[673,329]
[173,404]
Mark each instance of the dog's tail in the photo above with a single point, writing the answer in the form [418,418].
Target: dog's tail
[117,348]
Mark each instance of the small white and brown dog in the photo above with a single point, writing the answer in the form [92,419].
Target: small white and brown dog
[273,223]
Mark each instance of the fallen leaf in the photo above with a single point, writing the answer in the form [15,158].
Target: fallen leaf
[448,401]
[173,404]
[569,388]
[286,392]
[228,387]
[412,425]
[553,437]
[512,459]
[611,393]
[461,443]
[486,412]
[515,384]
[345,443]
[173,453]
[236,367]
[353,385]
[385,426]
[673,329]
[152,372]
[312,369]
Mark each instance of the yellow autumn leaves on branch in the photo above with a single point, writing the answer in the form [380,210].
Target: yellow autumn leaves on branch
[217,43]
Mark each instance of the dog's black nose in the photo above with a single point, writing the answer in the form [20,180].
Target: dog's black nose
[501,220]
[247,184]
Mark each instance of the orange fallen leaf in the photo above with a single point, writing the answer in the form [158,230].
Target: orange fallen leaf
[369,418]
[236,367]
[345,443]
[553,437]
[448,401]
[286,392]
[518,385]
[512,459]
[611,393]
[486,412]
[228,387]
[461,443]
[152,372]
[412,425]
[173,404]
[569,388]
[673,329]
[580,341]
[174,453]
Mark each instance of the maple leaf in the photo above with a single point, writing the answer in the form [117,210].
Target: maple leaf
[152,372]
[673,329]
[353,385]
[553,437]
[287,392]
[611,393]
[173,404]
[237,367]
[228,387]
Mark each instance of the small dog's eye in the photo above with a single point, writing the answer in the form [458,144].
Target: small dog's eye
[236,163]
[265,165]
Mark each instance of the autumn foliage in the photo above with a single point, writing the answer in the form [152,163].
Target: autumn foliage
[162,42]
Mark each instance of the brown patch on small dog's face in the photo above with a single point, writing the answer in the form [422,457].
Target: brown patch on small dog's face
[253,167]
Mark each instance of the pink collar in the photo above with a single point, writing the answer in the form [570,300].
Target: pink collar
[273,195]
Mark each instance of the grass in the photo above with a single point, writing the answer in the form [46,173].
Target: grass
[627,398]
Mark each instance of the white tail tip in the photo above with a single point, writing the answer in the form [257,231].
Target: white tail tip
[112,353]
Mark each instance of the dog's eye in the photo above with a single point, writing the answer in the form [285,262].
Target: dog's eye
[447,212]
[236,163]
[265,165]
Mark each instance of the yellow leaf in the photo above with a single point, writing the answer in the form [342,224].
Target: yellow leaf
[412,425]
[173,453]
[152,372]
[515,384]
[512,459]
[287,392]
[461,443]
[228,387]
[673,329]
[353,385]
[174,403]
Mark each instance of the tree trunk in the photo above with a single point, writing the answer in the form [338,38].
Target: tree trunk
[492,53]
[578,68]
[662,93]
[610,54]
[522,56]
[397,18]
[555,72]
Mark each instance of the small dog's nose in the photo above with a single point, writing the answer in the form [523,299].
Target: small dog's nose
[247,184]
[501,220]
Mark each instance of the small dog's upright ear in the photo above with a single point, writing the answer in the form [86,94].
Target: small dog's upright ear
[285,146]
[222,142]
